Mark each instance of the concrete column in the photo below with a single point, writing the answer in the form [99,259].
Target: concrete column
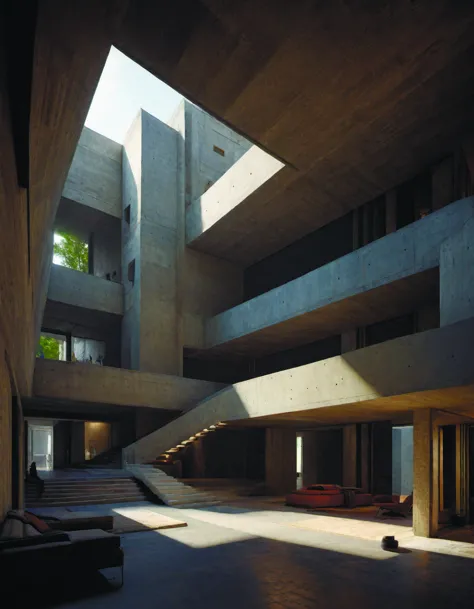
[77,442]
[349,455]
[382,457]
[425,474]
[365,457]
[280,460]
[456,276]
[442,183]
[322,456]
[151,327]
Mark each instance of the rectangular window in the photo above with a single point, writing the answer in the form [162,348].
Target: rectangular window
[218,150]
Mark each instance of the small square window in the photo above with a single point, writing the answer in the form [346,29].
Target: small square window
[219,150]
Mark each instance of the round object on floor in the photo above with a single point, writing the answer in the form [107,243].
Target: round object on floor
[389,543]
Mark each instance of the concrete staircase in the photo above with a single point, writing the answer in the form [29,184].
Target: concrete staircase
[83,491]
[170,491]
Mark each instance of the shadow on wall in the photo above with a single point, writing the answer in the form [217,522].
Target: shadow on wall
[130,253]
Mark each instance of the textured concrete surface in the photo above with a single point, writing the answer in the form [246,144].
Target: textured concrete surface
[78,289]
[380,382]
[211,149]
[411,250]
[253,557]
[105,385]
[151,323]
[456,276]
[95,176]
[248,174]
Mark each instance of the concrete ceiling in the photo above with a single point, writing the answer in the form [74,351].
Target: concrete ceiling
[355,99]
[398,409]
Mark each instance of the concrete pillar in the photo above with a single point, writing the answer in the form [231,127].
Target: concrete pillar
[199,461]
[151,325]
[425,474]
[280,460]
[456,276]
[349,455]
[322,456]
[77,442]
[365,457]
[382,457]
[442,183]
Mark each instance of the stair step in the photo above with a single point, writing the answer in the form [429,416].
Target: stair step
[88,501]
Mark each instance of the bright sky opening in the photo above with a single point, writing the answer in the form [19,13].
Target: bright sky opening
[123,89]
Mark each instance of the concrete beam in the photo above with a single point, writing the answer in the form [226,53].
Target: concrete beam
[85,291]
[240,182]
[375,383]
[334,298]
[95,176]
[78,382]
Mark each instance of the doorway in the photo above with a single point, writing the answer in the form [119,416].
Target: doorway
[40,446]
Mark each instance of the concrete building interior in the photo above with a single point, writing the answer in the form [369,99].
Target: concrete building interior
[276,286]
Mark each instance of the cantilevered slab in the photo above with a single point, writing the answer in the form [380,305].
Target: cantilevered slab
[81,290]
[429,369]
[251,177]
[104,385]
[388,277]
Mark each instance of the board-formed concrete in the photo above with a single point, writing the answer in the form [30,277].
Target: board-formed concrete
[334,298]
[81,290]
[378,382]
[82,382]
[456,276]
[240,182]
[95,176]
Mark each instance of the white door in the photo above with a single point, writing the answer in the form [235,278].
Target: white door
[40,446]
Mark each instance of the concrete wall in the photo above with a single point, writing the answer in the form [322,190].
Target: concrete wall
[322,457]
[357,386]
[107,249]
[77,442]
[151,325]
[101,384]
[399,255]
[95,175]
[402,460]
[85,291]
[131,250]
[206,285]
[280,461]
[204,165]
[457,276]
[313,251]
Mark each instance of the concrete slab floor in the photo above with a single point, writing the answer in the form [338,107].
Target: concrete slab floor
[233,557]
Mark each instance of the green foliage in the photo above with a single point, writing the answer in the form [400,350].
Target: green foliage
[49,347]
[72,252]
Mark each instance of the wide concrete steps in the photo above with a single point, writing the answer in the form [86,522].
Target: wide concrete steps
[170,491]
[85,492]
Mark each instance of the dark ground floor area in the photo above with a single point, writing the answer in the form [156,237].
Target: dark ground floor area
[257,554]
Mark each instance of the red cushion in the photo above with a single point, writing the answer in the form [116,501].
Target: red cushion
[37,523]
[315,500]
